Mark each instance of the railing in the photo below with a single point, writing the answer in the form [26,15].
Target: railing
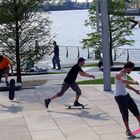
[122,54]
[126,54]
[74,52]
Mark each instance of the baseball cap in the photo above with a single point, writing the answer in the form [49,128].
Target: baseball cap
[81,59]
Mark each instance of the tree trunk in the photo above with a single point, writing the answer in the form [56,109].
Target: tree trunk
[17,46]
[97,54]
[110,37]
[17,54]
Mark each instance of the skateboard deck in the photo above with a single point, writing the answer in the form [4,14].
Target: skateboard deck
[12,89]
[76,107]
[135,132]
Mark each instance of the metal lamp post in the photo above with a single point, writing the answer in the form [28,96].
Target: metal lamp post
[105,46]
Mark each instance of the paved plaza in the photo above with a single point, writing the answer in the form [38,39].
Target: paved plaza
[26,118]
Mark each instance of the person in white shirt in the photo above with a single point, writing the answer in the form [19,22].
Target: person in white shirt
[123,99]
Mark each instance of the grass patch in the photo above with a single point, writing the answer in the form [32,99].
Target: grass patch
[56,72]
[98,81]
[91,65]
[86,65]
[118,63]
[95,81]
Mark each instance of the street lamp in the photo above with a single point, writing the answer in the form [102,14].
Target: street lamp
[105,46]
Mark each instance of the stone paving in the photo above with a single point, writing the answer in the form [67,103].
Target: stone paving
[26,118]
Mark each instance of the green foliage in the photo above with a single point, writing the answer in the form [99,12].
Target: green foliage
[96,81]
[99,81]
[91,65]
[119,27]
[20,20]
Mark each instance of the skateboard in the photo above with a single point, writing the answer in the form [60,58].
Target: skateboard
[76,107]
[12,89]
[135,132]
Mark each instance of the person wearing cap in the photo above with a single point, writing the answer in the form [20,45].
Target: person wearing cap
[5,65]
[69,81]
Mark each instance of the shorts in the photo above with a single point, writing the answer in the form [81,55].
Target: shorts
[4,71]
[65,87]
[126,103]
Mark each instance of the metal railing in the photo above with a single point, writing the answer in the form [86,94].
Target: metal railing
[126,54]
[122,54]
[75,52]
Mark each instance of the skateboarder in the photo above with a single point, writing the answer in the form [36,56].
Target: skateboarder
[69,81]
[123,99]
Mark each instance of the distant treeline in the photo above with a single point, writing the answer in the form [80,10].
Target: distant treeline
[68,5]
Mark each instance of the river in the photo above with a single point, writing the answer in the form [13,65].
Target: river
[68,26]
[69,30]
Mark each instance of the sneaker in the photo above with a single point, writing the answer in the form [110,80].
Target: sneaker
[128,133]
[46,102]
[76,103]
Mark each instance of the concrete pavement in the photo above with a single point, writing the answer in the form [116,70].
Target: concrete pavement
[26,118]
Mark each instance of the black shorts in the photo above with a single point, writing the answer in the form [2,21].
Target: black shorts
[126,103]
[4,71]
[65,87]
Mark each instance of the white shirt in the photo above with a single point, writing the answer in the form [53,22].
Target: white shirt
[120,87]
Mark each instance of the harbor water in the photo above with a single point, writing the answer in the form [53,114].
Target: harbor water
[69,30]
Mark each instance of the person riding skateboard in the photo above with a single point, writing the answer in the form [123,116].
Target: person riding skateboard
[69,81]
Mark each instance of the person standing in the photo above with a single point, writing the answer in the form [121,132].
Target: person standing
[56,59]
[69,81]
[5,65]
[124,100]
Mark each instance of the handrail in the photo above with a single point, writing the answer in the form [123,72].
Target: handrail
[123,54]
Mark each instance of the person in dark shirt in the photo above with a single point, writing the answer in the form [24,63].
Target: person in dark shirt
[55,60]
[69,81]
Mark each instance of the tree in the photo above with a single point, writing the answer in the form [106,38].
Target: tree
[21,27]
[119,29]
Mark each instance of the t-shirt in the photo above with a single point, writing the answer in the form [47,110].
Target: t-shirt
[56,50]
[5,63]
[72,74]
[120,87]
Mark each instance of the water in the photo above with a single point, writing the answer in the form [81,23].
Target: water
[68,26]
[69,30]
